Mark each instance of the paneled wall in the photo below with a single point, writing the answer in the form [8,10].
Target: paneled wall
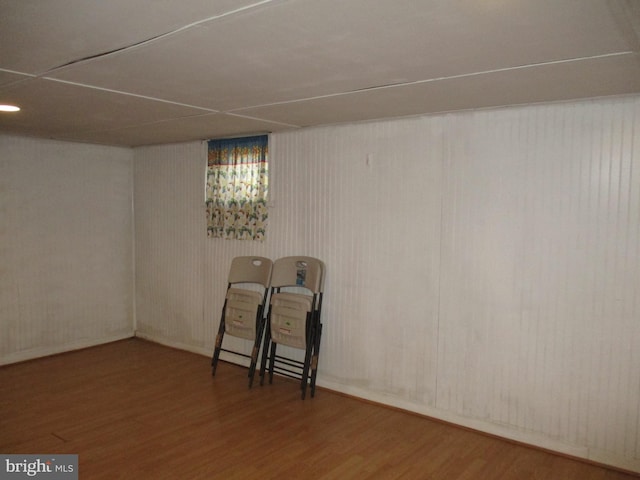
[170,247]
[540,286]
[483,267]
[66,246]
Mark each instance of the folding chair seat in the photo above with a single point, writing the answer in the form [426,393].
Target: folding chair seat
[244,307]
[293,320]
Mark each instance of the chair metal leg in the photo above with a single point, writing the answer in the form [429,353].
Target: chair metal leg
[272,360]
[254,353]
[265,351]
[216,351]
[305,369]
[314,360]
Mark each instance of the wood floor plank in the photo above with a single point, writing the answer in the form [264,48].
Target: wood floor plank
[138,410]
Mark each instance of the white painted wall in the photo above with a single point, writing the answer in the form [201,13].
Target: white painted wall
[170,255]
[539,311]
[66,248]
[483,267]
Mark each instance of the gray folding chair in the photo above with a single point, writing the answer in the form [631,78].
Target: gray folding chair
[244,307]
[293,320]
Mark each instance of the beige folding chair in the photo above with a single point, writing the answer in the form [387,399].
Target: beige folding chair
[293,320]
[243,310]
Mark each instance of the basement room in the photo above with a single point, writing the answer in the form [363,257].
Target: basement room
[431,208]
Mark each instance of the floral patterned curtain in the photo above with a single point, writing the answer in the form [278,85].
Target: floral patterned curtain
[237,187]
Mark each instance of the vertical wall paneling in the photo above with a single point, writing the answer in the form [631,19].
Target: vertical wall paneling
[341,196]
[541,243]
[66,254]
[482,266]
[170,221]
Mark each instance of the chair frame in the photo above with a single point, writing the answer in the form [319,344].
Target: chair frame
[305,371]
[238,274]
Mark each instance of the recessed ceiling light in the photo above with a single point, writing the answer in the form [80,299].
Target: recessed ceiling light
[9,108]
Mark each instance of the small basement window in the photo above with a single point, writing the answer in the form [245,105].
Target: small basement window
[237,186]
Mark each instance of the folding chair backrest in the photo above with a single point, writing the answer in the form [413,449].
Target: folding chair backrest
[251,270]
[290,311]
[242,304]
[307,272]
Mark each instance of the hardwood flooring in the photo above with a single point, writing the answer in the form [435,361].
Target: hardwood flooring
[137,410]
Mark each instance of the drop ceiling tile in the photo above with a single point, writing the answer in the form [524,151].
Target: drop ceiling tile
[297,62]
[51,108]
[178,130]
[303,49]
[37,35]
[9,78]
[614,75]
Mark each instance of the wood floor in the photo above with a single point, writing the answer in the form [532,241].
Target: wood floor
[137,410]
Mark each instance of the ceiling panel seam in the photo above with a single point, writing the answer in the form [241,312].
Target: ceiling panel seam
[120,92]
[153,39]
[437,79]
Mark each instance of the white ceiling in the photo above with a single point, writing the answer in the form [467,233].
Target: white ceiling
[140,72]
